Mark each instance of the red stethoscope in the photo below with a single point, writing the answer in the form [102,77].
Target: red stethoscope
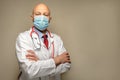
[36,41]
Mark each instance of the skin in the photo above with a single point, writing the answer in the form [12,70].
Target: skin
[42,9]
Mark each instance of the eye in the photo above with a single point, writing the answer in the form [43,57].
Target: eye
[46,14]
[37,13]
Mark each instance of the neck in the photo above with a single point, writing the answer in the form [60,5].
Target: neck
[44,31]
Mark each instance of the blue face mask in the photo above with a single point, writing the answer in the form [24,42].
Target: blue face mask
[41,22]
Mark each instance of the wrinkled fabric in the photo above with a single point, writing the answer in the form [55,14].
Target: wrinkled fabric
[41,22]
[44,68]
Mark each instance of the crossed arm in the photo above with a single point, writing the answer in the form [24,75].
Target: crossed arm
[33,66]
[63,58]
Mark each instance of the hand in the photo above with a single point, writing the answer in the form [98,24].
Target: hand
[31,55]
[63,58]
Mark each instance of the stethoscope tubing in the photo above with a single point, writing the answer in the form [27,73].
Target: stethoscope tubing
[33,31]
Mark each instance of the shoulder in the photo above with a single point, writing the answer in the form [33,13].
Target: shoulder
[56,37]
[24,35]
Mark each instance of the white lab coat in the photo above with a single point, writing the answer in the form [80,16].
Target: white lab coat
[45,68]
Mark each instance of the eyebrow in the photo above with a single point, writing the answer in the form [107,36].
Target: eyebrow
[43,12]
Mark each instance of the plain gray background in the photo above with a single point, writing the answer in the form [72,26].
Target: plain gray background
[90,30]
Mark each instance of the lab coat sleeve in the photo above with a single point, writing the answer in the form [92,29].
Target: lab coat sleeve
[64,67]
[31,68]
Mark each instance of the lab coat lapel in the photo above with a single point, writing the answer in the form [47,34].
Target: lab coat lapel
[50,40]
[35,39]
[50,36]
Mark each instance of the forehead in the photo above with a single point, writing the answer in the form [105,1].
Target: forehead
[41,8]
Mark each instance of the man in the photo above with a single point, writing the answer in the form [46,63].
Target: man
[41,54]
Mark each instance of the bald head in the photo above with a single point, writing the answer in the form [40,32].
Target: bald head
[41,9]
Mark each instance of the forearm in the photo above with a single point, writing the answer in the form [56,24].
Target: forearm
[62,68]
[39,68]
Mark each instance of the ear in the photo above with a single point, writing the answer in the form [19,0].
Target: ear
[50,19]
[32,17]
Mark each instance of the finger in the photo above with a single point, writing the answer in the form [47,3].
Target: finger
[65,61]
[32,58]
[31,51]
[68,55]
[30,55]
[68,61]
[69,58]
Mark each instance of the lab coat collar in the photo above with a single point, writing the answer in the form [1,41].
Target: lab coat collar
[49,33]
[50,36]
